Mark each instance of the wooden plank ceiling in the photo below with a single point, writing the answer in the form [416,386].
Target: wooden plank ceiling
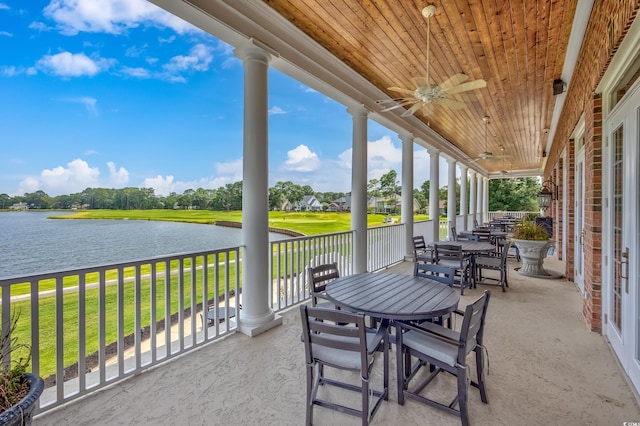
[517,46]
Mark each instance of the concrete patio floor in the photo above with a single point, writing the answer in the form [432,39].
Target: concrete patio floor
[546,368]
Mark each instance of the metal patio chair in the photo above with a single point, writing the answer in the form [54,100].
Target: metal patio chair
[443,350]
[340,340]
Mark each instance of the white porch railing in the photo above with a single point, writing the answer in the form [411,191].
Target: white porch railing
[291,257]
[385,246]
[91,327]
[516,214]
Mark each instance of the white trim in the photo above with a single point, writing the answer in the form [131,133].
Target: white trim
[578,28]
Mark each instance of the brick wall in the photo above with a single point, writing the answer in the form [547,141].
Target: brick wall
[610,20]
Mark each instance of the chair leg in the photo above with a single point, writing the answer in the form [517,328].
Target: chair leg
[309,419]
[365,401]
[480,374]
[463,391]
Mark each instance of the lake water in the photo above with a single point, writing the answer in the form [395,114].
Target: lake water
[30,243]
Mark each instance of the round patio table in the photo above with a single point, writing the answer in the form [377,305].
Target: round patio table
[393,296]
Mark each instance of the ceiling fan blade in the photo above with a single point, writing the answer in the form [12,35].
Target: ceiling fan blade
[396,103]
[472,85]
[413,109]
[453,81]
[401,90]
[451,103]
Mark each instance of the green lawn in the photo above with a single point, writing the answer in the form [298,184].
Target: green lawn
[306,222]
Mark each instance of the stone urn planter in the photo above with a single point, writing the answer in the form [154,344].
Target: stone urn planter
[533,243]
[20,414]
[532,253]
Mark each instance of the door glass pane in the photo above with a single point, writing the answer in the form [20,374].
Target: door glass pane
[579,213]
[616,297]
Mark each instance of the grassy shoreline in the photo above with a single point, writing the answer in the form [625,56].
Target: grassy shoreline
[309,223]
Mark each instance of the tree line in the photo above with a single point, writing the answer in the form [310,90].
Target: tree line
[504,194]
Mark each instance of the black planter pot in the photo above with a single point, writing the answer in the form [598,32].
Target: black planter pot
[20,414]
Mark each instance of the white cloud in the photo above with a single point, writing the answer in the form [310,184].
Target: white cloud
[276,110]
[227,172]
[136,72]
[10,71]
[231,169]
[301,159]
[161,186]
[76,177]
[66,64]
[6,34]
[38,26]
[119,177]
[110,16]
[198,59]
[88,102]
[4,6]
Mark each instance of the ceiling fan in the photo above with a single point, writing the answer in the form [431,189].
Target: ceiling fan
[486,154]
[426,94]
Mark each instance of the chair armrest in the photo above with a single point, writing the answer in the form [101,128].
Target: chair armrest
[382,333]
[431,331]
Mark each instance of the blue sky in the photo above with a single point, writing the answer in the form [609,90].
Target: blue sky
[117,93]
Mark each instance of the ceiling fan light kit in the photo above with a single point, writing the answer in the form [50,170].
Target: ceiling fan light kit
[426,94]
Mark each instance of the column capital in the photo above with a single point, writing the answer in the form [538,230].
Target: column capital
[472,172]
[254,49]
[463,168]
[433,151]
[451,161]
[358,110]
[405,136]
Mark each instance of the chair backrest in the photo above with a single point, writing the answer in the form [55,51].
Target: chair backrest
[322,275]
[472,330]
[419,245]
[454,234]
[435,272]
[448,252]
[505,245]
[483,234]
[475,223]
[327,331]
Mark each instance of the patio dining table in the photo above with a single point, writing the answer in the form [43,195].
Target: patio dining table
[393,296]
[396,297]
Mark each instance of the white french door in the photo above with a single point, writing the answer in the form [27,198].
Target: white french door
[578,261]
[621,280]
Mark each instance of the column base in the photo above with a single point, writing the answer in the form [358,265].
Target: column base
[252,329]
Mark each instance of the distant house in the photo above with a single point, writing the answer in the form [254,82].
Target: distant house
[309,203]
[342,204]
[387,205]
[286,206]
[20,207]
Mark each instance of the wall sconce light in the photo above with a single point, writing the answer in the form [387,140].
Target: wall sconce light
[548,193]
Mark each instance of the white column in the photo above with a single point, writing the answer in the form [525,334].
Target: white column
[451,196]
[473,204]
[464,210]
[359,187]
[256,315]
[480,202]
[407,192]
[485,199]
[434,188]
